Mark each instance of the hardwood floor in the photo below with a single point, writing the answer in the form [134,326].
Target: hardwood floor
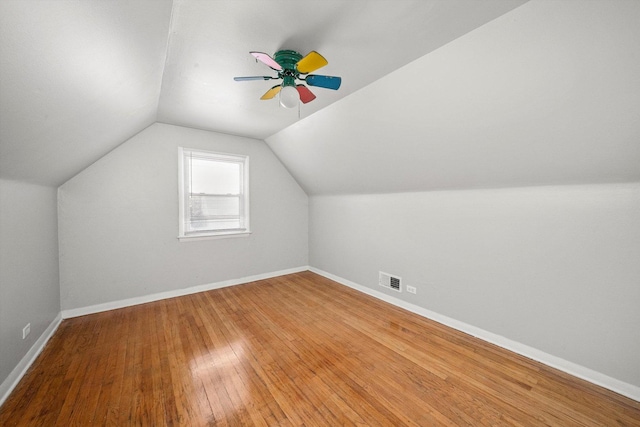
[290,351]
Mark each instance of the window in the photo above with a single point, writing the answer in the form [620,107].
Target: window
[214,194]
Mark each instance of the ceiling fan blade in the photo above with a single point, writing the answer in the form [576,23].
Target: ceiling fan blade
[266,59]
[311,62]
[246,79]
[305,94]
[271,92]
[327,82]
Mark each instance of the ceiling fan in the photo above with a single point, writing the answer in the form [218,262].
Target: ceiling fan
[291,66]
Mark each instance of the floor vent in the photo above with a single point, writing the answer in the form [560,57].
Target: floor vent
[389,281]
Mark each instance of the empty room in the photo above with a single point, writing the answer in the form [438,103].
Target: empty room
[320,213]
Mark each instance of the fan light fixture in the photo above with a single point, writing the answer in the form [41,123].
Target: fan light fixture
[292,66]
[289,97]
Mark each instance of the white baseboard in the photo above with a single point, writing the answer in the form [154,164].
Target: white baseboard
[82,311]
[18,372]
[25,363]
[613,384]
[625,389]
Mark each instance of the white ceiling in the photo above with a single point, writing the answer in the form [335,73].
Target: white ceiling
[436,93]
[363,40]
[546,94]
[78,78]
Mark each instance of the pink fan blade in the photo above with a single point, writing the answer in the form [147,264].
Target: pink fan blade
[266,59]
[305,94]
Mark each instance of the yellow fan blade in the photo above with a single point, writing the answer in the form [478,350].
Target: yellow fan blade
[271,92]
[311,62]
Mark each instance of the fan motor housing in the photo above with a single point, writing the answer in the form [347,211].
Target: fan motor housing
[288,60]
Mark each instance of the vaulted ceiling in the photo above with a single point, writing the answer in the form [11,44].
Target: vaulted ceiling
[436,93]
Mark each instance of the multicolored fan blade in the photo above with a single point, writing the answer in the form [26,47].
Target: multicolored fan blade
[305,94]
[311,62]
[245,79]
[272,92]
[266,59]
[327,82]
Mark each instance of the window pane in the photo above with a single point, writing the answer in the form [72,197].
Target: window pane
[214,206]
[214,177]
[215,212]
[214,197]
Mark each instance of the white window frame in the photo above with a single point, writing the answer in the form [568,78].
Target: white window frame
[184,154]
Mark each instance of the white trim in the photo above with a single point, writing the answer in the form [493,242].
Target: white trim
[623,388]
[25,363]
[181,195]
[629,390]
[82,311]
[197,237]
[244,197]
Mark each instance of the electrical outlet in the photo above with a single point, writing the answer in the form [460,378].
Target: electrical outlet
[411,289]
[26,331]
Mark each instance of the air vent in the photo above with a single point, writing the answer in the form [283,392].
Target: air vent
[389,281]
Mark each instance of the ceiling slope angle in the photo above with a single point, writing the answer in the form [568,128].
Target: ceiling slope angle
[547,94]
[77,78]
[363,40]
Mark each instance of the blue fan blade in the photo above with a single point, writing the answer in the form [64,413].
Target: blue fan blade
[328,82]
[244,79]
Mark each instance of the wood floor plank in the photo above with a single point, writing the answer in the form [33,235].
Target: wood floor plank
[388,362]
[318,362]
[295,350]
[109,406]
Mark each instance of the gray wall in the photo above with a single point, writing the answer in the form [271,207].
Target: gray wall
[118,221]
[29,291]
[554,268]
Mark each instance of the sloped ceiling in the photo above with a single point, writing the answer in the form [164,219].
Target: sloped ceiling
[546,94]
[78,78]
[436,93]
[363,40]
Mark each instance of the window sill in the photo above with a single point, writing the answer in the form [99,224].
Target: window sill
[216,236]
